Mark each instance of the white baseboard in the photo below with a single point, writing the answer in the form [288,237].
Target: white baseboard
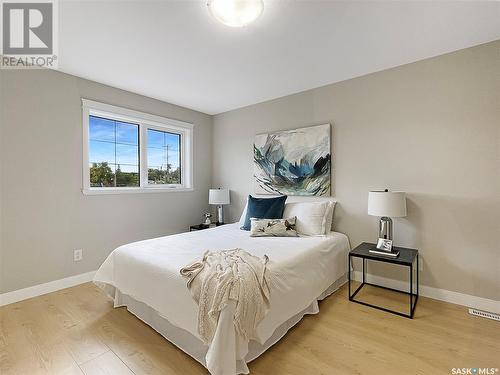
[38,290]
[435,293]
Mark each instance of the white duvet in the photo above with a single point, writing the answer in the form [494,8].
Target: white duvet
[148,271]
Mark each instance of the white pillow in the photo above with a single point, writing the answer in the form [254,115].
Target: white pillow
[329,217]
[311,216]
[243,214]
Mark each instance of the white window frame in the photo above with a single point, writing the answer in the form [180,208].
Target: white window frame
[145,121]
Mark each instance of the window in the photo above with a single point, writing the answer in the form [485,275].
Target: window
[130,151]
[164,158]
[113,153]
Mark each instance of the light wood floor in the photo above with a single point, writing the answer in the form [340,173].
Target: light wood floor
[77,331]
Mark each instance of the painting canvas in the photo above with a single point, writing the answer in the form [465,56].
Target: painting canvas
[293,162]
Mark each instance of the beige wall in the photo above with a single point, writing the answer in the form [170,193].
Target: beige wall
[430,128]
[45,216]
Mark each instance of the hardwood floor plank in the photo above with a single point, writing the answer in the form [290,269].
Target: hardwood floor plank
[66,313]
[142,348]
[33,342]
[106,364]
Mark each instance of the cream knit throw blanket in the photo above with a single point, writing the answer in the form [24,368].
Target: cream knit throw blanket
[226,275]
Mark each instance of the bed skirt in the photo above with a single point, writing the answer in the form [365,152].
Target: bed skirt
[192,345]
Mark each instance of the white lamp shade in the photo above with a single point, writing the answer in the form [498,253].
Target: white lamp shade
[218,196]
[387,203]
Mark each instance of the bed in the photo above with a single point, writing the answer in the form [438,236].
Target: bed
[144,276]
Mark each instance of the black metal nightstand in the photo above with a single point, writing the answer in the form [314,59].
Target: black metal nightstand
[193,228]
[406,258]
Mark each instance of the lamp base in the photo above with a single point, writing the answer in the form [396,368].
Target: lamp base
[220,214]
[385,228]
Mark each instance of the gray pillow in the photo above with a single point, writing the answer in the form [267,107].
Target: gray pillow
[273,227]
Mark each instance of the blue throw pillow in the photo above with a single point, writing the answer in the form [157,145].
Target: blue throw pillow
[264,208]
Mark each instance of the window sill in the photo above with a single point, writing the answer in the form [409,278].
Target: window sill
[139,190]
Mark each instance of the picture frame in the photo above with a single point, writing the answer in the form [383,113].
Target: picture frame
[293,162]
[384,244]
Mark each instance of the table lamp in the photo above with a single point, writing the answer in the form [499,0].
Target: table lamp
[386,204]
[219,197]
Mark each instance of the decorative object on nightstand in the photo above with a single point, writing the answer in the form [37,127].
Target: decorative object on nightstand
[384,247]
[407,257]
[208,215]
[386,204]
[392,253]
[219,197]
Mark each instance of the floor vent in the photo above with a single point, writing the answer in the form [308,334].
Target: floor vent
[484,314]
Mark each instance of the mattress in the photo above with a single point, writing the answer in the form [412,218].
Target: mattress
[147,273]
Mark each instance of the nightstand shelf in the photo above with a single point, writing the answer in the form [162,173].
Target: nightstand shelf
[407,257]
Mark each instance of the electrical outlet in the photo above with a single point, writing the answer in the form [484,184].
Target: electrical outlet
[78,255]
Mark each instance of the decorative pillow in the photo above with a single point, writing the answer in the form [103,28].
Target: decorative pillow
[273,227]
[264,208]
[311,216]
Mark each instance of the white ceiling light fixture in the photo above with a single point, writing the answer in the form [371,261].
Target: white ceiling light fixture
[235,13]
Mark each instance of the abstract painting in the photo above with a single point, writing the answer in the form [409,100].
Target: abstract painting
[293,162]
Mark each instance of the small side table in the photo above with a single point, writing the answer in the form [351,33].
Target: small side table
[193,228]
[407,257]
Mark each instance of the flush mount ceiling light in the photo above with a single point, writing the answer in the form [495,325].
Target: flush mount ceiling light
[235,13]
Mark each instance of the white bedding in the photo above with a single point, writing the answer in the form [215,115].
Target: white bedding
[148,271]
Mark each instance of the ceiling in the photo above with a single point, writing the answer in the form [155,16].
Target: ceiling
[174,51]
